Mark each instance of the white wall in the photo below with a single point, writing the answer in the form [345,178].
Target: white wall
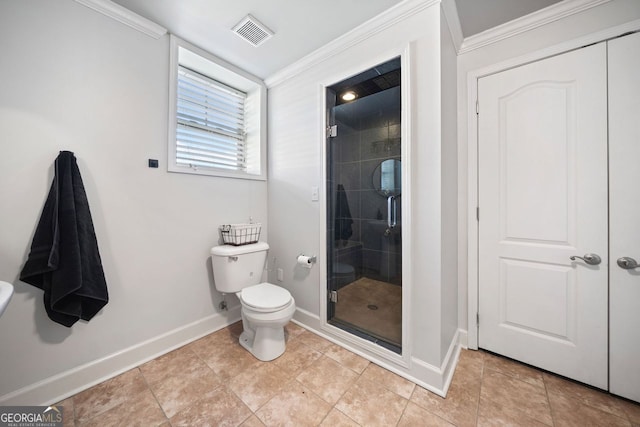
[295,165]
[73,79]
[448,104]
[545,38]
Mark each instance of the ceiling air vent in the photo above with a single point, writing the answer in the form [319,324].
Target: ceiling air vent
[252,30]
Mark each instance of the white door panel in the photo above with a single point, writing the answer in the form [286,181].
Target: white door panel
[521,308]
[624,157]
[536,210]
[543,198]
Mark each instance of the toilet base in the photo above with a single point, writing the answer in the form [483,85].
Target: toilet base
[266,344]
[263,333]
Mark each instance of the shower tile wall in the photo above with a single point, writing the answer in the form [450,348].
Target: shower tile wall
[368,133]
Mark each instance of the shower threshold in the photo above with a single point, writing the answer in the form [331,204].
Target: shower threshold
[367,335]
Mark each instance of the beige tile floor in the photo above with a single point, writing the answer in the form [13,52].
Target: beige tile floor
[353,307]
[215,382]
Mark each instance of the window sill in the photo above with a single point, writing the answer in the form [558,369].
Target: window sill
[217,173]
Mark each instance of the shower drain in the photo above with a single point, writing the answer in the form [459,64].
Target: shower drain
[372,307]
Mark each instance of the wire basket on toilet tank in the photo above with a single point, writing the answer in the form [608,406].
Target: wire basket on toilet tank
[240,234]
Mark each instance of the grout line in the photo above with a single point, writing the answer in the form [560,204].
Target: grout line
[403,410]
[481,385]
[546,392]
[146,382]
[483,370]
[334,407]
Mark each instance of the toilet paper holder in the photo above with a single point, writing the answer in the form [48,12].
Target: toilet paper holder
[305,259]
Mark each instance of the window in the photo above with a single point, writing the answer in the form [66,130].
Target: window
[210,123]
[217,116]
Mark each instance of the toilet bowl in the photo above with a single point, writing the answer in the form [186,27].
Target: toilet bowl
[344,274]
[265,308]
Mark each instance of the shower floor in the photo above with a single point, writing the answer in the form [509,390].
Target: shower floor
[373,307]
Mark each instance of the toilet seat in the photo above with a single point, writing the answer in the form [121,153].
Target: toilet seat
[265,297]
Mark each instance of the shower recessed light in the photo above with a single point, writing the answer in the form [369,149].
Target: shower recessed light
[349,96]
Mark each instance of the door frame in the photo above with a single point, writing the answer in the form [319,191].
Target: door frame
[405,53]
[472,153]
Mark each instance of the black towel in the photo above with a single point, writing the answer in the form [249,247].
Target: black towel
[64,260]
[343,221]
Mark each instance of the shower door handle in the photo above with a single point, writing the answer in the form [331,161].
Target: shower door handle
[391,211]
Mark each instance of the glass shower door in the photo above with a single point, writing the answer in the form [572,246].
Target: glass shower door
[364,229]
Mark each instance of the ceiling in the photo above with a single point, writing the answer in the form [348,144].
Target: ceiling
[477,16]
[300,27]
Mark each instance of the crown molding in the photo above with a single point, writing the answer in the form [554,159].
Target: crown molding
[450,12]
[379,23]
[528,22]
[125,16]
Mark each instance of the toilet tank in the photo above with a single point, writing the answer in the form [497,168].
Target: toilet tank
[236,267]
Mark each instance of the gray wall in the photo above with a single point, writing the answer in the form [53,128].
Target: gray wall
[77,80]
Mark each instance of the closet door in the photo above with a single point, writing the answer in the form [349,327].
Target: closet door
[542,191]
[624,200]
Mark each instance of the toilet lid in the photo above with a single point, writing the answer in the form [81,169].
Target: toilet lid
[265,296]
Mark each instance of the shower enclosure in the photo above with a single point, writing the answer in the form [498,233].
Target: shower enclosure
[364,218]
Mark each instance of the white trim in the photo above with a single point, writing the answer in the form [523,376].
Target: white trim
[472,151]
[377,24]
[406,143]
[450,12]
[375,352]
[528,22]
[59,387]
[322,229]
[433,378]
[306,319]
[462,338]
[472,204]
[184,53]
[125,16]
[450,362]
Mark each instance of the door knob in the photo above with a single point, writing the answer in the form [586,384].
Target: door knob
[591,259]
[627,263]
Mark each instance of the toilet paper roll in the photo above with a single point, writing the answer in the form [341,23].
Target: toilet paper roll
[305,261]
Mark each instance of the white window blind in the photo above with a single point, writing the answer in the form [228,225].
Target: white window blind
[210,131]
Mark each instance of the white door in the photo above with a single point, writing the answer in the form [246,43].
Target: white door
[543,199]
[624,199]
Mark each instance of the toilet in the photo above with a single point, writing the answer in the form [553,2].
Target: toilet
[344,274]
[266,308]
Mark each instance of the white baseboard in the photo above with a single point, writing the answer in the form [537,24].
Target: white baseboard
[463,338]
[451,360]
[436,379]
[306,319]
[59,387]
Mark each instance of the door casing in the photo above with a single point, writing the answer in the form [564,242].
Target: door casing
[472,156]
[404,359]
[543,200]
